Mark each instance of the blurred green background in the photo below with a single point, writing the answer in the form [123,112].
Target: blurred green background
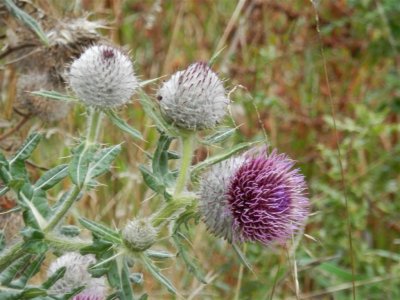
[297,70]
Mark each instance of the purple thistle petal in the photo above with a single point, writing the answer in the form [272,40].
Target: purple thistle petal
[261,199]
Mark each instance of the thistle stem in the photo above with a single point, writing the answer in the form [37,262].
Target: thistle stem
[187,152]
[93,125]
[172,207]
[66,244]
[63,209]
[93,129]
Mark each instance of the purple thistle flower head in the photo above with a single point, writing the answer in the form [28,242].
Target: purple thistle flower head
[254,197]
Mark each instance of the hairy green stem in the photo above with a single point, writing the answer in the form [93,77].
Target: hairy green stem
[93,129]
[94,122]
[63,209]
[70,244]
[186,160]
[171,208]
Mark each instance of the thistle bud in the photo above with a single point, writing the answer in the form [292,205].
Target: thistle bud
[103,77]
[77,275]
[193,99]
[254,198]
[139,235]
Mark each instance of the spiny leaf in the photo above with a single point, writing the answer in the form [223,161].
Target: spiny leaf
[102,161]
[158,254]
[27,148]
[121,124]
[220,157]
[126,286]
[55,96]
[220,135]
[58,274]
[152,111]
[101,231]
[4,190]
[157,274]
[27,20]
[8,275]
[242,257]
[187,259]
[79,166]
[151,180]
[30,271]
[51,177]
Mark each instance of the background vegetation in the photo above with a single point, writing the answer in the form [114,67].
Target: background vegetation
[314,78]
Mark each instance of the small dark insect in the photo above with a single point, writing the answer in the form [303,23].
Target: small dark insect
[159,98]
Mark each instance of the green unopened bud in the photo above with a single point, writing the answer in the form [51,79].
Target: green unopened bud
[139,235]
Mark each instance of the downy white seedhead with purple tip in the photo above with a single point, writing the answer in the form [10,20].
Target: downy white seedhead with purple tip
[194,98]
[103,77]
[255,197]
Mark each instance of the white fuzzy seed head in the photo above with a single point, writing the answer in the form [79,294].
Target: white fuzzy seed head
[103,77]
[193,99]
[77,275]
[139,234]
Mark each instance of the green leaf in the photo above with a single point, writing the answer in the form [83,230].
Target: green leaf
[126,286]
[70,230]
[18,173]
[58,274]
[32,269]
[71,294]
[219,136]
[151,180]
[4,190]
[121,124]
[160,157]
[10,294]
[156,273]
[242,257]
[153,113]
[187,259]
[220,157]
[136,278]
[5,175]
[99,247]
[79,165]
[25,151]
[158,254]
[30,233]
[55,96]
[102,161]
[173,155]
[3,160]
[51,177]
[36,246]
[101,231]
[36,208]
[149,81]
[8,274]
[26,19]
[216,56]
[339,272]
[33,293]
